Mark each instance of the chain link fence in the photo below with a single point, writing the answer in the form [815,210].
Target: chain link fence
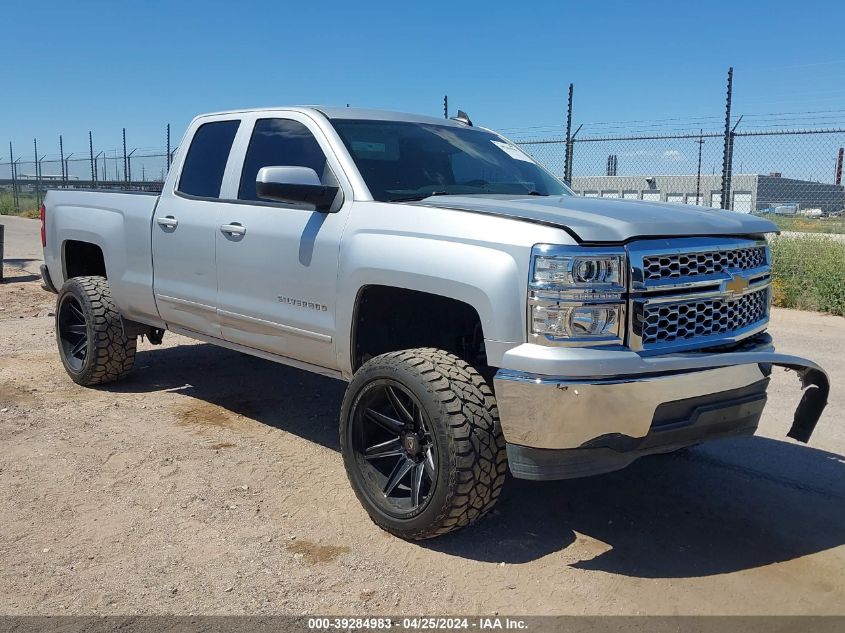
[24,183]
[793,176]
[25,179]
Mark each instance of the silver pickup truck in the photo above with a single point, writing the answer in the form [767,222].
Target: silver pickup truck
[485,317]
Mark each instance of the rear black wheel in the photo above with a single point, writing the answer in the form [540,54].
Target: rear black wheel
[421,442]
[92,343]
[72,331]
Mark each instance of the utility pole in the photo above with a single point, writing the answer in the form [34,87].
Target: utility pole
[700,142]
[168,147]
[445,106]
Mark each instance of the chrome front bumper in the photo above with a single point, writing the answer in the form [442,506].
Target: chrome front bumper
[565,413]
[579,398]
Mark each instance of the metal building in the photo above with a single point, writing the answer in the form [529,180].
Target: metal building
[749,192]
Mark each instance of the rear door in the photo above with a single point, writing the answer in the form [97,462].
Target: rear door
[185,229]
[277,264]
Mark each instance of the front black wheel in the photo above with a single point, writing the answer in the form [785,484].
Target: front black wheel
[421,442]
[92,343]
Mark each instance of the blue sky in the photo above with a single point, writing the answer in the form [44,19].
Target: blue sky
[76,66]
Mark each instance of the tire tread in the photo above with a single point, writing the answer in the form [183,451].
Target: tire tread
[113,352]
[479,458]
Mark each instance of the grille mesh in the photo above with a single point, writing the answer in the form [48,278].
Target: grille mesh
[659,267]
[666,323]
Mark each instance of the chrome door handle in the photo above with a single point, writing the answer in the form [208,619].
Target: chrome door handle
[167,222]
[233,229]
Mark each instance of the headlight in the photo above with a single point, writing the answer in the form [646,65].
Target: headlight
[577,295]
[577,322]
[577,271]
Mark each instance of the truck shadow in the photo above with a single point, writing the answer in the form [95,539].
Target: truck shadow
[719,508]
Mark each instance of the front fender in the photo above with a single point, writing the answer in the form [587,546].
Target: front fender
[491,280]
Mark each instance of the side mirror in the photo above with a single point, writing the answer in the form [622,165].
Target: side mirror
[294,185]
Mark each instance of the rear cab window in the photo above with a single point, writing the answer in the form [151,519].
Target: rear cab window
[205,163]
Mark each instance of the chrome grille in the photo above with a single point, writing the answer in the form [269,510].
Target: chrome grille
[694,292]
[702,318]
[677,265]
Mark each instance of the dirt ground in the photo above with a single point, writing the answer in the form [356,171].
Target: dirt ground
[210,482]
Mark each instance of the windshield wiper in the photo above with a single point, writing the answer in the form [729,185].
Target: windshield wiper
[423,196]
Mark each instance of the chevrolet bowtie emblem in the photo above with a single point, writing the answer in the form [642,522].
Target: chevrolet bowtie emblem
[736,285]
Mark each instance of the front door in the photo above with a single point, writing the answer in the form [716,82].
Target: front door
[277,264]
[184,231]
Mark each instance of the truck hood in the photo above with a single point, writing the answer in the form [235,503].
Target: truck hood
[608,219]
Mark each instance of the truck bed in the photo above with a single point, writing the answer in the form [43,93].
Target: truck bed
[119,223]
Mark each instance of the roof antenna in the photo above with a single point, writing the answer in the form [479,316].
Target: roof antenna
[462,118]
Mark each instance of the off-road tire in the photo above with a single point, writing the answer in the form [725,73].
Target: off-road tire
[471,461]
[110,353]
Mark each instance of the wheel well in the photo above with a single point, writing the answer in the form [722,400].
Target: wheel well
[83,259]
[389,319]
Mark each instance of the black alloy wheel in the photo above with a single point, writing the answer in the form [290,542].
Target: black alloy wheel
[394,447]
[72,330]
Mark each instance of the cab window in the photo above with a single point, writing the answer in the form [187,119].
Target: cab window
[280,143]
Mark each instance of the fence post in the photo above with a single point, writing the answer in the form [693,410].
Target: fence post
[67,167]
[727,156]
[17,191]
[129,165]
[62,160]
[12,166]
[91,155]
[567,159]
[700,142]
[37,175]
[125,159]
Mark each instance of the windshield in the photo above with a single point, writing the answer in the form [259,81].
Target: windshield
[401,160]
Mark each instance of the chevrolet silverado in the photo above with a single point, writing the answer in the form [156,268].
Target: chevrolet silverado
[486,319]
